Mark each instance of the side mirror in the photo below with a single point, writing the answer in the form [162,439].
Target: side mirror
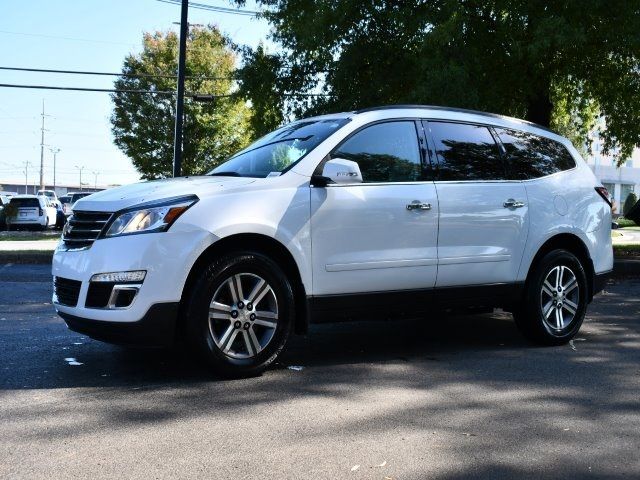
[338,170]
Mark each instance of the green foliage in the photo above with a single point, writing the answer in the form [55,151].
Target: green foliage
[560,64]
[143,125]
[625,222]
[631,200]
[260,85]
[10,210]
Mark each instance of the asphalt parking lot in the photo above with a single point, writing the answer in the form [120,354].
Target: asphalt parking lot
[441,398]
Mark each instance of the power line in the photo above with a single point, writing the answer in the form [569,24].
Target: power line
[110,74]
[64,38]
[107,90]
[203,97]
[213,8]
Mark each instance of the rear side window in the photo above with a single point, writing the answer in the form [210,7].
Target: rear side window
[530,156]
[385,152]
[466,152]
[25,202]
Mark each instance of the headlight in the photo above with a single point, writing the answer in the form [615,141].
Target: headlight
[156,217]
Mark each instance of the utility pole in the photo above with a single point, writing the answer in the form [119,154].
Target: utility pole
[80,170]
[95,184]
[55,152]
[26,176]
[42,130]
[177,137]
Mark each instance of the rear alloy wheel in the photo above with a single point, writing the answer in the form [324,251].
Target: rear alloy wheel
[555,300]
[559,298]
[240,314]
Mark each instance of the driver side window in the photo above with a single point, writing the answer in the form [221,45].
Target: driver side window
[385,152]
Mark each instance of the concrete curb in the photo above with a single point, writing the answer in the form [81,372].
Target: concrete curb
[26,257]
[626,267]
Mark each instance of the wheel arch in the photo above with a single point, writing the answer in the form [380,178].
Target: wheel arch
[257,243]
[573,244]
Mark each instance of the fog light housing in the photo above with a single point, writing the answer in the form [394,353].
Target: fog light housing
[123,296]
[135,276]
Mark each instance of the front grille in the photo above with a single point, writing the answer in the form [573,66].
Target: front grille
[83,228]
[66,290]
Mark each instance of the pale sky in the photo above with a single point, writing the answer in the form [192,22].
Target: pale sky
[90,35]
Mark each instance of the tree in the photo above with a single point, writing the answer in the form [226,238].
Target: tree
[261,86]
[143,124]
[631,200]
[558,64]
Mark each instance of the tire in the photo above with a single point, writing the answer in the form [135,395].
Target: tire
[538,317]
[234,342]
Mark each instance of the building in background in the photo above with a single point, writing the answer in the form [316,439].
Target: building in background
[620,181]
[21,188]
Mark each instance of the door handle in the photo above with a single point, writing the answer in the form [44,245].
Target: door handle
[511,203]
[417,205]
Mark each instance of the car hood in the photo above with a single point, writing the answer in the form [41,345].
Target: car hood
[115,199]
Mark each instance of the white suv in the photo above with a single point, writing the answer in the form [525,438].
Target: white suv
[384,212]
[30,211]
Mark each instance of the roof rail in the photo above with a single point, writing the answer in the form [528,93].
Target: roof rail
[454,109]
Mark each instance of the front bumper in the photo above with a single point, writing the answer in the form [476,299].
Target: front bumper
[167,259]
[156,328]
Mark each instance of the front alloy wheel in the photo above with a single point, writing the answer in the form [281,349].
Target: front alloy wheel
[242,325]
[240,314]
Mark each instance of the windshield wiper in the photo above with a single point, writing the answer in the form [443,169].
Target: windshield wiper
[225,174]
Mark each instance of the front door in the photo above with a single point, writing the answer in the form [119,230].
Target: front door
[379,235]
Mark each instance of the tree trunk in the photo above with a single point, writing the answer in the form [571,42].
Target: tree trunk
[539,108]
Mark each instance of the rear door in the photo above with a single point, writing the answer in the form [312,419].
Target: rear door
[483,216]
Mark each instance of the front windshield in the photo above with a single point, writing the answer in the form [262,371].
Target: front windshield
[279,150]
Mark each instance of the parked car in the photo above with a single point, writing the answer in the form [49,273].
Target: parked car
[408,210]
[29,211]
[50,194]
[3,202]
[70,199]
[65,201]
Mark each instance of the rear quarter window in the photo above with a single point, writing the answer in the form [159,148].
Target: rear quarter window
[531,156]
[466,152]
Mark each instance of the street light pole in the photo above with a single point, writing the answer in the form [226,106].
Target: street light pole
[42,149]
[95,184]
[177,137]
[26,176]
[55,152]
[80,170]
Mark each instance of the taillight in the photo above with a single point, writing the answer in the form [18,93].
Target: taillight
[604,193]
[40,212]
